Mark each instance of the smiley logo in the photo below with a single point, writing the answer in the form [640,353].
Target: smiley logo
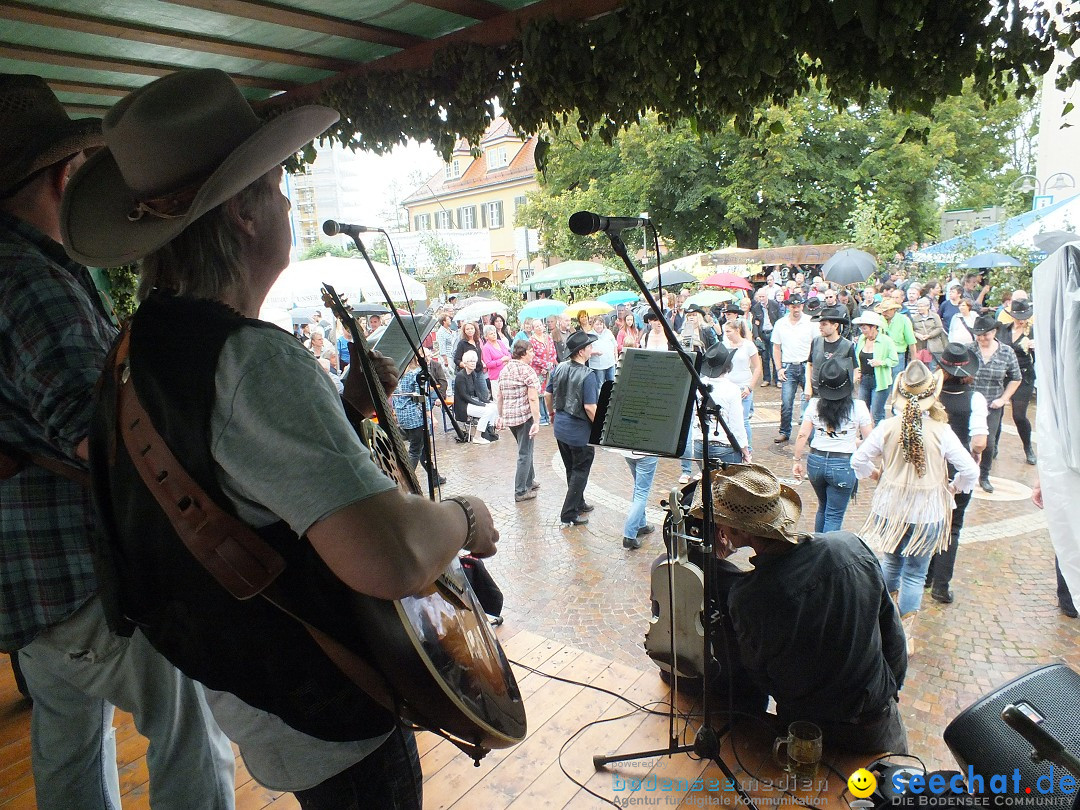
[862,783]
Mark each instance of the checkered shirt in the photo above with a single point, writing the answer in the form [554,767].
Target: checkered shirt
[514,384]
[994,374]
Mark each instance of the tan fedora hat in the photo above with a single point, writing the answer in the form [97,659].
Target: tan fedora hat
[175,149]
[750,498]
[918,382]
[35,129]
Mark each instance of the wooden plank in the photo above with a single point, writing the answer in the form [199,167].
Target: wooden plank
[477,9]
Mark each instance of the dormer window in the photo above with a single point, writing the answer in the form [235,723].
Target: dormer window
[497,157]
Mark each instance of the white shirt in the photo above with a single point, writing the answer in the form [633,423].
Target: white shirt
[740,373]
[843,440]
[958,328]
[728,397]
[604,350]
[794,338]
[967,471]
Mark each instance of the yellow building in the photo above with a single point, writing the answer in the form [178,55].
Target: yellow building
[483,193]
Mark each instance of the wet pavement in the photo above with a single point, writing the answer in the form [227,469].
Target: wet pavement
[581,587]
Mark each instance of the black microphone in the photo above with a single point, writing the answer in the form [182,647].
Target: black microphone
[333,228]
[1018,717]
[585,222]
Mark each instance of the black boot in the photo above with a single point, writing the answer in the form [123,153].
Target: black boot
[984,482]
[1029,455]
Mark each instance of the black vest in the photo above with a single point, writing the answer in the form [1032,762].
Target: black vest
[249,648]
[957,406]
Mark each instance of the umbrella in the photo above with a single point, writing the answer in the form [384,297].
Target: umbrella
[708,298]
[472,299]
[478,309]
[365,309]
[590,307]
[618,297]
[727,280]
[541,308]
[570,274]
[849,266]
[300,284]
[669,277]
[983,261]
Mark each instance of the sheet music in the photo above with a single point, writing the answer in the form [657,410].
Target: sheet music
[391,341]
[648,406]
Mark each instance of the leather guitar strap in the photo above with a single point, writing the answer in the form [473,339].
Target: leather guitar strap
[231,551]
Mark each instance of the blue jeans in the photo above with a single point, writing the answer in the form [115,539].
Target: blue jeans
[388,777]
[77,672]
[796,376]
[688,453]
[748,411]
[643,468]
[717,452]
[603,375]
[875,400]
[833,481]
[905,574]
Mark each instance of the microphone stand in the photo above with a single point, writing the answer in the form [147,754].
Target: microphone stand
[707,741]
[424,377]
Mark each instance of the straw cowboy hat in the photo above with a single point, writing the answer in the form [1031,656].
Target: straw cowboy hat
[888,305]
[175,149]
[749,498]
[36,131]
[869,318]
[918,382]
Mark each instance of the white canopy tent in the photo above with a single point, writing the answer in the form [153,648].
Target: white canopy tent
[300,284]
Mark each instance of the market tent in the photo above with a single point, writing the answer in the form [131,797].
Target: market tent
[1017,232]
[570,274]
[300,283]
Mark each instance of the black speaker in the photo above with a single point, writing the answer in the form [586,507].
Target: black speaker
[985,746]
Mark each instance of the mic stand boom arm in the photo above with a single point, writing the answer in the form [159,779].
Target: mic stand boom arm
[413,346]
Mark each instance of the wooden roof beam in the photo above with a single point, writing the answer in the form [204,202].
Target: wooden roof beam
[304,20]
[477,9]
[86,109]
[86,24]
[494,32]
[110,64]
[88,88]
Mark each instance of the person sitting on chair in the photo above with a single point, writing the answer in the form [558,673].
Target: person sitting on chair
[805,593]
[472,398]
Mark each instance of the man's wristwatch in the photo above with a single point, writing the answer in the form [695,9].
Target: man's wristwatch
[470,520]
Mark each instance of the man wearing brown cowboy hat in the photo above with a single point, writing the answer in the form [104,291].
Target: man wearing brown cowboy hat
[54,335]
[814,624]
[898,327]
[189,183]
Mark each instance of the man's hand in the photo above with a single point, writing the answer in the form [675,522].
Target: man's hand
[357,392]
[998,404]
[534,428]
[486,536]
[781,374]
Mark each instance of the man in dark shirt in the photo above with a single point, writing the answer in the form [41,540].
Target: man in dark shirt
[572,393]
[814,624]
[831,344]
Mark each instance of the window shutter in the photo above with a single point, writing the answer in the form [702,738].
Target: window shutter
[483,215]
[499,213]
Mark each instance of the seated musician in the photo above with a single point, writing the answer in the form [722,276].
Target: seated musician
[189,182]
[814,625]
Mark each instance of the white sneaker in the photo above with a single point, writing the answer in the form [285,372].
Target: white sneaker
[480,440]
[684,479]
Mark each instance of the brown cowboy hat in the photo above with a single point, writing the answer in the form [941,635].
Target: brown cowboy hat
[916,380]
[175,149]
[36,131]
[748,497]
[887,305]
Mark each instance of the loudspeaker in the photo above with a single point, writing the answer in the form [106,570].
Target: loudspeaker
[979,738]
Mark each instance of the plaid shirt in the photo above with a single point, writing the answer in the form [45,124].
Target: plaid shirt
[994,374]
[54,335]
[409,414]
[514,384]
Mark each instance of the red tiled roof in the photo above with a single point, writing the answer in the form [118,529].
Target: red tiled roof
[522,167]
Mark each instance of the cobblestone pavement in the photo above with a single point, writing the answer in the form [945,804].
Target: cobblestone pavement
[581,587]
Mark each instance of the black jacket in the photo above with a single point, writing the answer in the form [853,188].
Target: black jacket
[469,389]
[759,316]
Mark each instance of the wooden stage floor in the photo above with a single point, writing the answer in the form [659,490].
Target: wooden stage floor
[527,777]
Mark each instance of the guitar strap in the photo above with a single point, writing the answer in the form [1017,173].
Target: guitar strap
[241,561]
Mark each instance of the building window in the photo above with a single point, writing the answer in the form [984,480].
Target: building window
[453,170]
[494,213]
[467,217]
[443,220]
[422,222]
[497,157]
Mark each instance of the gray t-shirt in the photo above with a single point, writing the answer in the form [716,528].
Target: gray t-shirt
[285,415]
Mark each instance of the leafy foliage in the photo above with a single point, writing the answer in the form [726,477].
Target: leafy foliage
[796,176]
[704,61]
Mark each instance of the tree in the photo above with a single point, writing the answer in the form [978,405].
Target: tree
[795,177]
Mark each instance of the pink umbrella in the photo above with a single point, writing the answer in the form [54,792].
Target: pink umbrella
[728,281]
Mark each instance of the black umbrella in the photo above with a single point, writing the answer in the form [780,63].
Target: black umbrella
[669,277]
[849,267]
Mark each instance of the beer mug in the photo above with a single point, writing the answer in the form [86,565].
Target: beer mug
[803,750]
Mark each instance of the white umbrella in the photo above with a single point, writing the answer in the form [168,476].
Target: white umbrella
[477,310]
[301,282]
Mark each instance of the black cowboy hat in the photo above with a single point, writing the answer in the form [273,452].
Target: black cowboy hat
[833,380]
[958,360]
[795,299]
[731,306]
[984,323]
[696,308]
[813,305]
[1021,310]
[578,341]
[715,359]
[834,314]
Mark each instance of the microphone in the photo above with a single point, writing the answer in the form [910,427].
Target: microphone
[1019,718]
[585,222]
[333,228]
